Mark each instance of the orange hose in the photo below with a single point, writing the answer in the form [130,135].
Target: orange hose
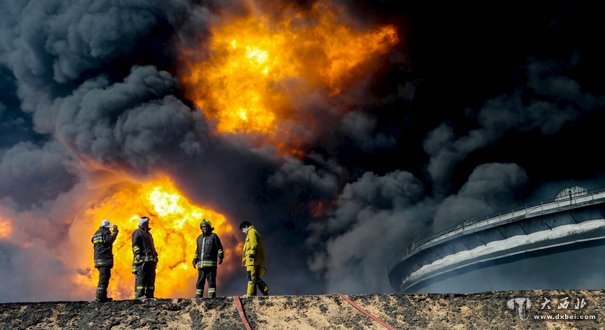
[359,308]
[240,310]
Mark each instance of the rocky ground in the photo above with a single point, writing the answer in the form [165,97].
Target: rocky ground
[402,311]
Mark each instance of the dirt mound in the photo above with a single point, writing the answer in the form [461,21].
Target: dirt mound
[506,310]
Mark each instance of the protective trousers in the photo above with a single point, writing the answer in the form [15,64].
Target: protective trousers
[254,281]
[145,280]
[203,274]
[104,276]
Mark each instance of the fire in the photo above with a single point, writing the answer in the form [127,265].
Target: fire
[175,227]
[6,229]
[318,209]
[259,64]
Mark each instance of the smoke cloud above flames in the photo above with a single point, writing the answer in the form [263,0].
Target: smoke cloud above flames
[344,130]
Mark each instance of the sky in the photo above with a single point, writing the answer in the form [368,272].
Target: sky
[449,112]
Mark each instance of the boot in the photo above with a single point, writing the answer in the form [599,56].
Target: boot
[149,293]
[138,293]
[264,288]
[102,296]
[99,295]
[105,298]
[251,289]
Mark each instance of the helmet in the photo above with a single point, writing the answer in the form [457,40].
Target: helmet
[205,223]
[105,223]
[142,220]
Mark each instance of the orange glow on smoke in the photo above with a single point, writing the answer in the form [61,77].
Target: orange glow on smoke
[318,209]
[6,229]
[259,64]
[175,227]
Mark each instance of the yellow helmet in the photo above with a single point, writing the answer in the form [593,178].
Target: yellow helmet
[205,223]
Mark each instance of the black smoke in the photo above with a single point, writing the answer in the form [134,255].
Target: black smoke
[479,108]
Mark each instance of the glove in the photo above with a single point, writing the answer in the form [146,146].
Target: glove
[220,260]
[194,264]
[135,267]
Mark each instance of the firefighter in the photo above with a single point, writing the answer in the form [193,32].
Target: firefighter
[253,259]
[102,241]
[208,254]
[145,261]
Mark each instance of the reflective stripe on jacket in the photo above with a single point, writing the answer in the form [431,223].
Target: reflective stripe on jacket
[142,245]
[102,241]
[208,249]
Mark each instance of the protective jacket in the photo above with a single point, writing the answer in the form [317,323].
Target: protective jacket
[142,245]
[254,249]
[209,249]
[102,241]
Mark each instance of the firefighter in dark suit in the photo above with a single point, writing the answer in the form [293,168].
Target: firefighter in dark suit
[145,260]
[102,241]
[208,255]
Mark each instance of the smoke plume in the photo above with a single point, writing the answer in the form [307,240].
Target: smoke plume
[443,116]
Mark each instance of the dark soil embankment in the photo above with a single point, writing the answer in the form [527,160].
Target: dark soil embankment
[402,311]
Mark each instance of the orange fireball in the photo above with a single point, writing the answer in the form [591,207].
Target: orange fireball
[259,64]
[175,227]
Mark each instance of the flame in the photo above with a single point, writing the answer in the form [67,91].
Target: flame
[175,227]
[318,208]
[259,64]
[6,229]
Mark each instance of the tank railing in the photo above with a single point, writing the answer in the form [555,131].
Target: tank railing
[505,216]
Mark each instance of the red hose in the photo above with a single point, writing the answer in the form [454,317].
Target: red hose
[383,323]
[240,310]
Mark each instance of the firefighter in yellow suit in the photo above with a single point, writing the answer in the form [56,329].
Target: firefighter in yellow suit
[253,259]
